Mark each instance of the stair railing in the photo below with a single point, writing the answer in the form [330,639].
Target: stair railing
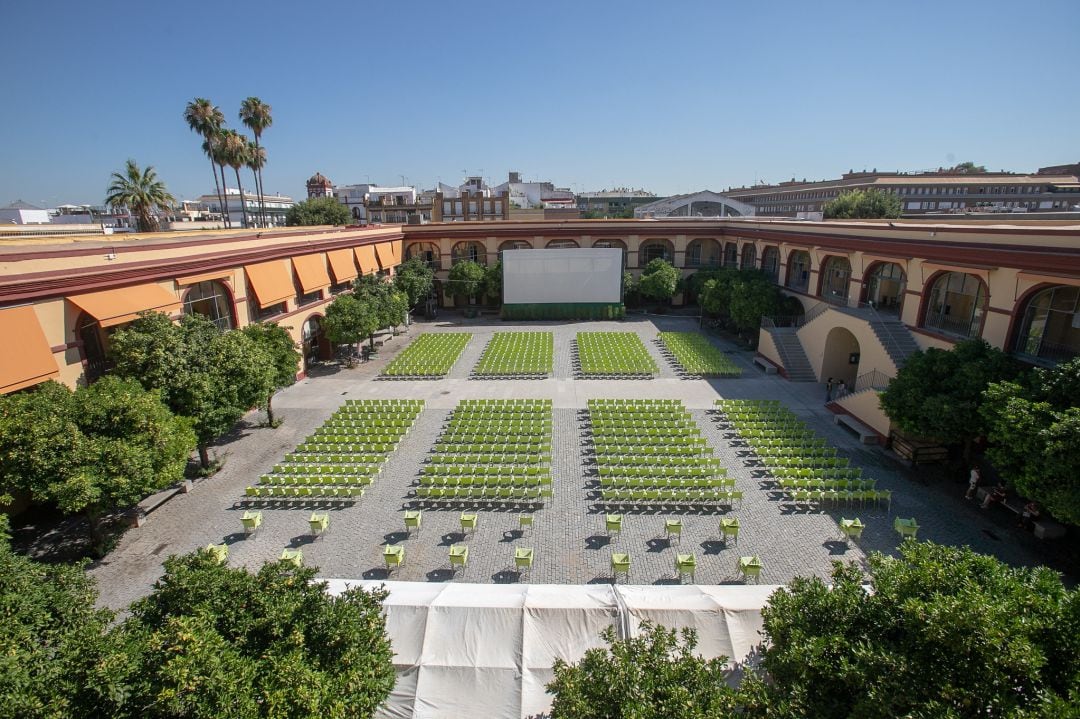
[874,379]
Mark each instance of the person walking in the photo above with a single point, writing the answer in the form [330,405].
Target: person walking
[828,390]
[841,389]
[973,483]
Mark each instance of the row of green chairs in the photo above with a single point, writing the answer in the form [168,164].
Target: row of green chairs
[820,496]
[310,480]
[373,404]
[305,493]
[614,354]
[697,356]
[329,457]
[662,462]
[671,497]
[460,448]
[497,480]
[637,482]
[346,469]
[659,450]
[505,405]
[503,495]
[450,470]
[344,447]
[432,354]
[816,483]
[848,473]
[518,354]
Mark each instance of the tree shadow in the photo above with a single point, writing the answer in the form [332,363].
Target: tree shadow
[440,575]
[506,576]
[376,573]
[658,544]
[836,547]
[597,541]
[395,537]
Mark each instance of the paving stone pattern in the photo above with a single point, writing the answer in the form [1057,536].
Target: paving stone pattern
[568,534]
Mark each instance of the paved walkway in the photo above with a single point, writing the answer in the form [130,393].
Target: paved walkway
[568,536]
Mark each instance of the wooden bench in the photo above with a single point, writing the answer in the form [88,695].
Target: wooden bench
[866,435]
[765,364]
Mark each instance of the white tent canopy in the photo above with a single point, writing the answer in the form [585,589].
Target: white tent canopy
[487,650]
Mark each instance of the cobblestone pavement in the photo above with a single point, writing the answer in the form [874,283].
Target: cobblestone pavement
[568,533]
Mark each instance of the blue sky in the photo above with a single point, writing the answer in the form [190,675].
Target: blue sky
[671,97]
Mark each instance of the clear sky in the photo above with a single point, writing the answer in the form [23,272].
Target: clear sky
[669,96]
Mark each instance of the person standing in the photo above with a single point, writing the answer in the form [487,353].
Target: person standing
[973,483]
[841,389]
[828,390]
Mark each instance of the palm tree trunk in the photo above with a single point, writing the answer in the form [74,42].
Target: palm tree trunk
[255,177]
[225,194]
[217,185]
[258,187]
[262,202]
[240,189]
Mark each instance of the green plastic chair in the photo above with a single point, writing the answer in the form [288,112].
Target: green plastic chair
[251,522]
[459,556]
[749,568]
[413,520]
[620,564]
[729,529]
[851,528]
[523,559]
[613,524]
[673,528]
[685,564]
[906,527]
[468,522]
[318,523]
[220,552]
[525,521]
[295,556]
[393,556]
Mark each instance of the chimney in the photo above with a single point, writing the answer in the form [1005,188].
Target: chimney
[515,177]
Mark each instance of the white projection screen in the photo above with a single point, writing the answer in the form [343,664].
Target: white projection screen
[565,275]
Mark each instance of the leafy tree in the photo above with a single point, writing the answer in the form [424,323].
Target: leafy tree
[631,290]
[659,280]
[863,204]
[278,345]
[205,118]
[399,308]
[1034,433]
[51,640]
[753,297]
[318,211]
[211,376]
[351,319]
[938,393]
[91,451]
[141,192]
[716,293]
[655,674]
[941,632]
[466,279]
[967,168]
[493,281]
[214,641]
[256,114]
[415,279]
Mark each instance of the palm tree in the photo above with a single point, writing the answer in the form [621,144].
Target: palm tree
[256,160]
[256,115]
[207,119]
[236,156]
[141,193]
[215,148]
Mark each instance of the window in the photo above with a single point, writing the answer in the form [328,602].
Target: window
[310,297]
[339,288]
[749,256]
[835,280]
[1049,332]
[799,270]
[211,300]
[264,313]
[656,249]
[703,253]
[956,304]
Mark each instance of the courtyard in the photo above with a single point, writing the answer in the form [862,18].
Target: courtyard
[568,536]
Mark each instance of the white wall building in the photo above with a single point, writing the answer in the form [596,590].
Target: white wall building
[23,213]
[525,195]
[357,197]
[275,206]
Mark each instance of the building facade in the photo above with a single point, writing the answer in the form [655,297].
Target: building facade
[275,207]
[617,203]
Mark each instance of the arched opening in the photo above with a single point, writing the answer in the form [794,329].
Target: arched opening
[885,285]
[315,342]
[749,256]
[841,358]
[835,280]
[703,253]
[731,255]
[956,304]
[357,215]
[1049,330]
[561,244]
[656,249]
[93,344]
[514,245]
[427,252]
[468,251]
[213,301]
[614,243]
[798,275]
[770,263]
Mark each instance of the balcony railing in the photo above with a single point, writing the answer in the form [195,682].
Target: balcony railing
[874,379]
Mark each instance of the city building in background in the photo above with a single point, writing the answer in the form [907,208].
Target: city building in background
[613,204]
[275,207]
[695,204]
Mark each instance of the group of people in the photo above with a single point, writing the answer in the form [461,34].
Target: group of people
[835,389]
[1028,516]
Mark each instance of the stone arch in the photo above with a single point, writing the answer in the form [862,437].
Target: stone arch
[798,270]
[731,255]
[93,347]
[841,357]
[884,286]
[954,303]
[770,262]
[562,243]
[514,245]
[468,250]
[314,342]
[653,248]
[748,259]
[1045,324]
[703,252]
[834,280]
[428,252]
[213,300]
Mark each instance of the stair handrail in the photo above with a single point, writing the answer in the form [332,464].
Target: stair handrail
[874,379]
[892,339]
[814,312]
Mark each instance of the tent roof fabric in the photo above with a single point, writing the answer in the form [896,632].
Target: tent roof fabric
[271,281]
[365,255]
[395,250]
[343,265]
[29,360]
[204,277]
[115,307]
[488,649]
[385,251]
[311,271]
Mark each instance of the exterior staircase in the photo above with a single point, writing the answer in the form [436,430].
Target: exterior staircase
[893,335]
[796,365]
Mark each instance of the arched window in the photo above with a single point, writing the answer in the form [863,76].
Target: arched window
[835,280]
[798,276]
[562,244]
[770,263]
[514,245]
[749,256]
[313,337]
[656,249]
[956,304]
[731,255]
[703,253]
[211,300]
[88,331]
[614,244]
[470,251]
[1049,331]
[428,252]
[885,287]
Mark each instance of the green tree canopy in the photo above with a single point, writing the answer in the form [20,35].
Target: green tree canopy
[659,280]
[213,641]
[351,319]
[863,204]
[753,296]
[94,450]
[52,638]
[1034,434]
[141,192]
[493,277]
[211,376]
[938,393]
[941,632]
[466,279]
[318,211]
[278,345]
[655,675]
[967,168]
[415,279]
